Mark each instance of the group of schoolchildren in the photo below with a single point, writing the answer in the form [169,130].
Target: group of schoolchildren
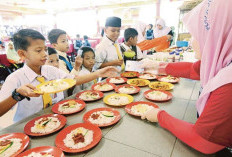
[44,64]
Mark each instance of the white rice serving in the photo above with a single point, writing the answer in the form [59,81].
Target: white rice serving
[69,107]
[157,95]
[88,138]
[44,125]
[102,117]
[10,149]
[118,100]
[89,96]
[127,90]
[117,80]
[34,154]
[54,86]
[141,109]
[103,87]
[168,79]
[147,76]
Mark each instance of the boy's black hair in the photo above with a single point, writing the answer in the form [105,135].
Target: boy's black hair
[86,49]
[78,35]
[51,51]
[130,32]
[21,39]
[85,37]
[151,25]
[54,34]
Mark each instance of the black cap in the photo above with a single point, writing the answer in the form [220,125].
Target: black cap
[113,22]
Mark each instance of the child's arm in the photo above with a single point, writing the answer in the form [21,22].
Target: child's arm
[112,63]
[8,103]
[105,72]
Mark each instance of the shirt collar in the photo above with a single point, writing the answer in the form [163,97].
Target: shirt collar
[63,54]
[126,47]
[108,41]
[85,69]
[31,75]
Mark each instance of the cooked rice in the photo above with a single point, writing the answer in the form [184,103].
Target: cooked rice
[54,86]
[34,154]
[88,136]
[117,80]
[147,76]
[127,90]
[17,143]
[53,124]
[157,95]
[167,79]
[141,109]
[75,107]
[118,100]
[89,96]
[103,87]
[102,119]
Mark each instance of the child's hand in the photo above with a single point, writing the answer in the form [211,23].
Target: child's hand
[169,37]
[118,62]
[78,63]
[109,71]
[151,115]
[28,90]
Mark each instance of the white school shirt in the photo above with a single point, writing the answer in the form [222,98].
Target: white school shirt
[139,52]
[24,76]
[106,52]
[84,86]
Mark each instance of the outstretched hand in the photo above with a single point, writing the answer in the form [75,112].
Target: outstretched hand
[151,115]
[28,91]
[109,71]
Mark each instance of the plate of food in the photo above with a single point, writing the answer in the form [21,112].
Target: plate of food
[68,106]
[12,144]
[102,117]
[161,85]
[169,79]
[118,99]
[130,74]
[103,87]
[127,89]
[45,125]
[116,80]
[158,95]
[148,76]
[138,82]
[90,95]
[55,86]
[78,137]
[139,108]
[43,151]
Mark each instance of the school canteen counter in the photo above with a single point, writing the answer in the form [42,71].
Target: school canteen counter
[131,136]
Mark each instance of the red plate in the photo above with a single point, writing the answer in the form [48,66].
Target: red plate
[88,114]
[102,83]
[56,106]
[129,106]
[100,94]
[127,72]
[44,150]
[25,140]
[147,78]
[97,135]
[29,125]
[108,80]
[176,81]
[127,85]
[166,92]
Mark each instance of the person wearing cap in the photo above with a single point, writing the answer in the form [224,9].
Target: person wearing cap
[108,51]
[210,25]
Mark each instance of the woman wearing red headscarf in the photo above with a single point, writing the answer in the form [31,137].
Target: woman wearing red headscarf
[210,24]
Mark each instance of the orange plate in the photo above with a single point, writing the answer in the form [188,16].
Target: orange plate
[166,92]
[30,124]
[54,151]
[108,80]
[102,83]
[97,135]
[127,85]
[148,78]
[100,95]
[88,114]
[56,106]
[25,140]
[129,106]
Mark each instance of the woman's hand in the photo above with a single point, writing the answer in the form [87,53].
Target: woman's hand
[151,115]
[28,91]
[109,71]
